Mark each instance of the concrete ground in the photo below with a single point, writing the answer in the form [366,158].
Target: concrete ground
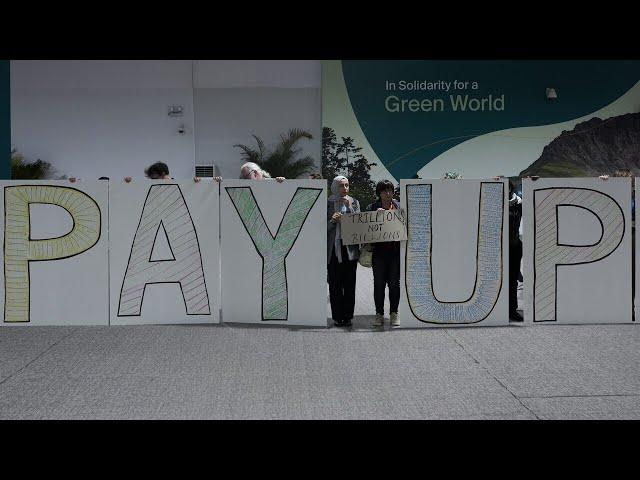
[234,372]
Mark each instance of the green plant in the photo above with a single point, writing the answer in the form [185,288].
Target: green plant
[24,170]
[282,161]
[343,157]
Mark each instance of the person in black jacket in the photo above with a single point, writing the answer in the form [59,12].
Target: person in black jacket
[515,251]
[515,248]
[386,260]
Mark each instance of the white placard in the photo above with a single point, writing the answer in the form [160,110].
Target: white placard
[636,311]
[455,262]
[373,227]
[274,252]
[577,250]
[55,269]
[164,252]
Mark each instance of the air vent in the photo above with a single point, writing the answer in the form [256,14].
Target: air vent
[204,171]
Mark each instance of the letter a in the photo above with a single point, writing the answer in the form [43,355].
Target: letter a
[418,272]
[549,253]
[165,207]
[20,250]
[273,250]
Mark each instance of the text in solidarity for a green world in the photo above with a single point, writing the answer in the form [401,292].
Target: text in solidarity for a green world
[456,102]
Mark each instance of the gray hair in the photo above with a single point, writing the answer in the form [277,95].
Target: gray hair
[254,166]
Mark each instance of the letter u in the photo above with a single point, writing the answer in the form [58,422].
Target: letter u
[489,259]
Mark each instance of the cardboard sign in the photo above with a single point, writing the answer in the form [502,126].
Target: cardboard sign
[373,227]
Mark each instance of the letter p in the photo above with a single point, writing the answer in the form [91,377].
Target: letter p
[19,249]
[549,253]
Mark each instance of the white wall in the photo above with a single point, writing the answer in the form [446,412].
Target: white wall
[229,116]
[235,99]
[95,118]
[102,118]
[257,73]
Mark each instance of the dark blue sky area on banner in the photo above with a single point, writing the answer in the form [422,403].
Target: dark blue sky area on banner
[406,141]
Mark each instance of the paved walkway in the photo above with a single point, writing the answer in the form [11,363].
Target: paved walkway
[235,372]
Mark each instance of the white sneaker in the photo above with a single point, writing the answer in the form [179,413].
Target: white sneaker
[395,322]
[379,321]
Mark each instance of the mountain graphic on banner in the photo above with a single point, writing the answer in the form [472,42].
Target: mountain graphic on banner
[592,148]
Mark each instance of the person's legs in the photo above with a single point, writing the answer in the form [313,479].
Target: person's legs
[335,290]
[378,287]
[393,279]
[515,255]
[349,286]
[379,281]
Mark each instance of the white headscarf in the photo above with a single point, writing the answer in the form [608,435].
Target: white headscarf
[335,187]
[335,195]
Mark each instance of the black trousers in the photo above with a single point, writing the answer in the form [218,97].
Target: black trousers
[515,255]
[342,286]
[386,271]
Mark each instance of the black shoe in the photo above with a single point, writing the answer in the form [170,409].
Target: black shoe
[516,317]
[338,323]
[346,323]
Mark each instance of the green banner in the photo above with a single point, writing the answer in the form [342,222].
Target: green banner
[408,119]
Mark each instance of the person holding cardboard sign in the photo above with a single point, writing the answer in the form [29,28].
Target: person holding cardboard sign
[342,259]
[386,260]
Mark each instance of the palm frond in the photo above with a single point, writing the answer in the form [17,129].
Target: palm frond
[293,136]
[300,167]
[282,160]
[249,154]
[261,148]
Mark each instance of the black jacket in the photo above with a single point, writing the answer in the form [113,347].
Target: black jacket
[384,246]
[515,216]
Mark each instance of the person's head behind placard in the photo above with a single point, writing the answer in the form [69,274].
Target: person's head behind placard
[252,171]
[157,171]
[452,175]
[623,172]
